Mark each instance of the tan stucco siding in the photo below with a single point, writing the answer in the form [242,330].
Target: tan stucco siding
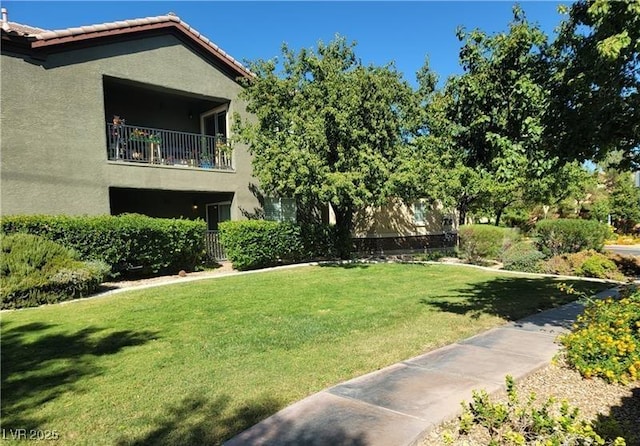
[54,157]
[397,219]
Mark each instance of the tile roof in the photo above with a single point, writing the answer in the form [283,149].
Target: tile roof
[23,30]
[42,37]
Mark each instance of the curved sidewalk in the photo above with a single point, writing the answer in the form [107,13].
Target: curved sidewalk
[399,405]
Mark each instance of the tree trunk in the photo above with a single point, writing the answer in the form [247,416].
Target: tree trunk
[499,215]
[463,208]
[344,220]
[500,210]
[462,216]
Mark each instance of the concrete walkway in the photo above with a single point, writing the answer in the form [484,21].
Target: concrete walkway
[627,250]
[399,405]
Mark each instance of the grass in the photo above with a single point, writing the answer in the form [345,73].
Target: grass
[196,363]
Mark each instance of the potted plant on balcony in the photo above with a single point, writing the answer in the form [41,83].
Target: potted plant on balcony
[223,150]
[223,144]
[143,137]
[206,160]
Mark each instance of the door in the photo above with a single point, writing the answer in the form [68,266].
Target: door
[216,213]
[214,123]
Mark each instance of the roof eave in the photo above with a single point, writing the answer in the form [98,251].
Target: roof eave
[201,42]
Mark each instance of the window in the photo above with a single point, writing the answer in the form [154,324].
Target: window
[419,212]
[214,122]
[217,213]
[447,222]
[280,209]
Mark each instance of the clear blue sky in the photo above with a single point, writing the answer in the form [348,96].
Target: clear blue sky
[385,31]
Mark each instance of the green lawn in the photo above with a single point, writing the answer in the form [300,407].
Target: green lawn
[198,362]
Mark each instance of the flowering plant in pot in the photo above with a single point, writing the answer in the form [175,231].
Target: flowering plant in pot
[206,160]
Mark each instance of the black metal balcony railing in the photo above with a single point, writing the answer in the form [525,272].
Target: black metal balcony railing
[147,145]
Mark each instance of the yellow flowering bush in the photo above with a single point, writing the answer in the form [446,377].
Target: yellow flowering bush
[605,340]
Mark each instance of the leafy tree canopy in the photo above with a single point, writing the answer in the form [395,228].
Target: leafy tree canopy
[595,107]
[327,128]
[486,125]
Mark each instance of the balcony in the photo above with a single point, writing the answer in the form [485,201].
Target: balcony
[152,146]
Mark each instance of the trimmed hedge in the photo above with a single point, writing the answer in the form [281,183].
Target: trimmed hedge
[598,265]
[127,242]
[35,271]
[565,236]
[252,244]
[479,242]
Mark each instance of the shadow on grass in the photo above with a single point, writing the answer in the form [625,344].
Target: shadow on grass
[510,298]
[622,420]
[198,421]
[38,367]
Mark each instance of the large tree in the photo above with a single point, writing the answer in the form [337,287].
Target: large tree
[515,125]
[327,128]
[487,122]
[434,166]
[595,87]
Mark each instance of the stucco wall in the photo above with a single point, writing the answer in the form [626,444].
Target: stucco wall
[54,157]
[396,219]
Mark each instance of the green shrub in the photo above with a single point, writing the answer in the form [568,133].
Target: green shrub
[34,271]
[127,242]
[601,267]
[564,236]
[519,422]
[522,256]
[478,242]
[584,263]
[605,340]
[254,244]
[511,237]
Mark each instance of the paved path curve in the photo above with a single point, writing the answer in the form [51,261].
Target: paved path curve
[629,250]
[399,405]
